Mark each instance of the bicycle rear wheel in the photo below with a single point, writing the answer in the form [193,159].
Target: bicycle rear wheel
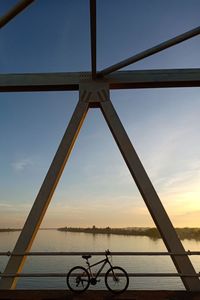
[78,279]
[116,280]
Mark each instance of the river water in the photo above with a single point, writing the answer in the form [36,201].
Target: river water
[53,240]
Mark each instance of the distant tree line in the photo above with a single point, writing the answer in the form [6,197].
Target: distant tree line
[8,229]
[183,233]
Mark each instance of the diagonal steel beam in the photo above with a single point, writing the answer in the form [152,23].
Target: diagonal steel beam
[31,226]
[151,198]
[117,80]
[160,47]
[93,36]
[15,10]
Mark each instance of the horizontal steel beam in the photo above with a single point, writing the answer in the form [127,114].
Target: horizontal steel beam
[154,79]
[119,80]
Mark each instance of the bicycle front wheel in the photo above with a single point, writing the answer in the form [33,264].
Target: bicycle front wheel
[116,280]
[78,279]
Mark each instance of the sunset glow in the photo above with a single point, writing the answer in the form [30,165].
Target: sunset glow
[96,187]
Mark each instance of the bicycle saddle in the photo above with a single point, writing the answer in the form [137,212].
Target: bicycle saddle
[86,256]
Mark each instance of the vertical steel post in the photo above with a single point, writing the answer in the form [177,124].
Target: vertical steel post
[153,203]
[31,226]
[93,37]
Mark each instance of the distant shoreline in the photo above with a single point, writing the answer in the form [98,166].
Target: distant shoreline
[20,229]
[183,233]
[9,229]
[188,233]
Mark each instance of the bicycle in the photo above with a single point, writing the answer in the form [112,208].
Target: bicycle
[79,278]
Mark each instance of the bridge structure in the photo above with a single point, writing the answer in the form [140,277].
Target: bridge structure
[94,93]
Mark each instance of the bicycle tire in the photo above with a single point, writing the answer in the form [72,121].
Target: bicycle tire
[78,279]
[116,280]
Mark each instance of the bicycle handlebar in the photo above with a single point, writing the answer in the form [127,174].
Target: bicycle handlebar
[107,252]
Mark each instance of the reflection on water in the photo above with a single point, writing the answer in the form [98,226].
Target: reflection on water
[53,240]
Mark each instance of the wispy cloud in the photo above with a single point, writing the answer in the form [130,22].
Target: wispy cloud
[15,207]
[5,205]
[22,164]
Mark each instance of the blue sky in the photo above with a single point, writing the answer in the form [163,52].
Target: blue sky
[163,124]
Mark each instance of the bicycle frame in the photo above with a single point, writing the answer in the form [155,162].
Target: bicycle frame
[103,261]
[84,277]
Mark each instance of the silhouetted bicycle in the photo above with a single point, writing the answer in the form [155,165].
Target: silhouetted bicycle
[79,278]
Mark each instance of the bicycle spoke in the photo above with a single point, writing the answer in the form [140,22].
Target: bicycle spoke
[78,282]
[116,280]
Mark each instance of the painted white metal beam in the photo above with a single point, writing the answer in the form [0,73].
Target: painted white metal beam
[151,198]
[146,53]
[96,94]
[70,81]
[93,37]
[35,217]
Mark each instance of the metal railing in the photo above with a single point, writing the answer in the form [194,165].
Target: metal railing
[61,253]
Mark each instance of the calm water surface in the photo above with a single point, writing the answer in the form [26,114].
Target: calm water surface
[53,240]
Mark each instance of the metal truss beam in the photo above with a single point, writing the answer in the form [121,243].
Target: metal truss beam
[160,47]
[15,10]
[117,80]
[32,224]
[151,198]
[93,37]
[96,94]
